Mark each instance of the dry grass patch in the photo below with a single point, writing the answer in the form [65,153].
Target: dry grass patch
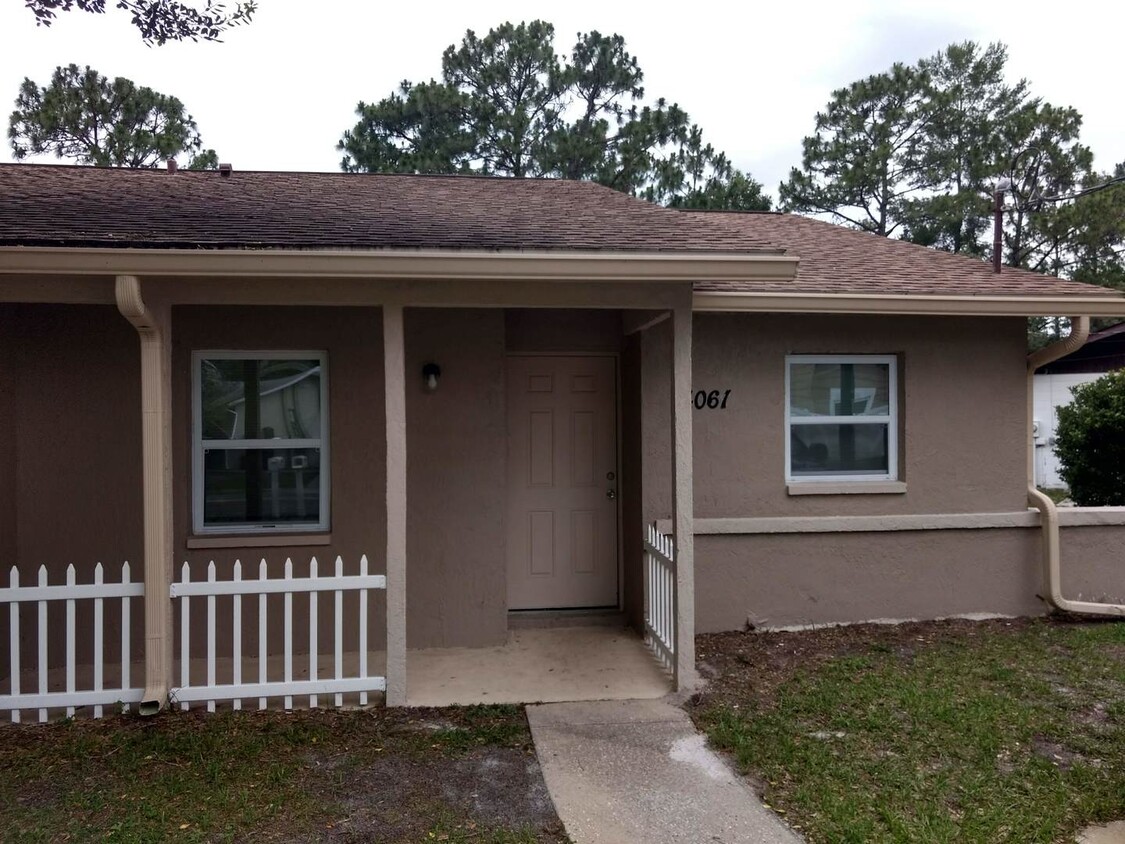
[1000,731]
[456,775]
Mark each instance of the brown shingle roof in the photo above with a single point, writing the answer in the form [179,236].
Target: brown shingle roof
[835,259]
[58,205]
[53,205]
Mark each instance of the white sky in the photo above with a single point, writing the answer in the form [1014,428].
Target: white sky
[277,94]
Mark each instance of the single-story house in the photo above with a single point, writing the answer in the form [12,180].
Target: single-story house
[487,405]
[1104,352]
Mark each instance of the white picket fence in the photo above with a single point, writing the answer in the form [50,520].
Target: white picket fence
[264,688]
[41,594]
[660,596]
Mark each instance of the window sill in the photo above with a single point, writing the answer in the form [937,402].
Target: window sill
[273,540]
[847,488]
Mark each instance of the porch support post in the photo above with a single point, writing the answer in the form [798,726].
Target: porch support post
[153,325]
[683,521]
[394,364]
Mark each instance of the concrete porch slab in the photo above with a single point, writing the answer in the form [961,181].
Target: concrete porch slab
[538,665]
[535,665]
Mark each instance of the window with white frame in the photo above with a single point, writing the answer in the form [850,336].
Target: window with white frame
[259,441]
[841,417]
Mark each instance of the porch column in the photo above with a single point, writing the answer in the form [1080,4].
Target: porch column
[683,514]
[394,365]
[153,325]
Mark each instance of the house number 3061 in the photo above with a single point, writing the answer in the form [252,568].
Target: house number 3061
[710,399]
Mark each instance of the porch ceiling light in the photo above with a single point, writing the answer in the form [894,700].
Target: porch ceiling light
[431,372]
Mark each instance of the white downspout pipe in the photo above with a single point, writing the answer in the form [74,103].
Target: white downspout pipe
[1049,514]
[157,481]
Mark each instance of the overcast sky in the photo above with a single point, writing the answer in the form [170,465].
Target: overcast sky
[277,94]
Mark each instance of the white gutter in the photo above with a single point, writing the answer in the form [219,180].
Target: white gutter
[155,439]
[1049,514]
[400,264]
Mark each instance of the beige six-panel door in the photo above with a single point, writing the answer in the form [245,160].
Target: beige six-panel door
[562,482]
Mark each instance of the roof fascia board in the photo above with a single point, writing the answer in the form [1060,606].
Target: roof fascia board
[400,264]
[909,304]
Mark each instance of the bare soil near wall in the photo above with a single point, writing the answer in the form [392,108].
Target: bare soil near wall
[958,731]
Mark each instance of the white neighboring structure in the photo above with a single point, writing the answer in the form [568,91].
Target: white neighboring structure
[1051,392]
[1104,352]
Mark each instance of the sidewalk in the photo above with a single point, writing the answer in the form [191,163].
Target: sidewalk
[621,772]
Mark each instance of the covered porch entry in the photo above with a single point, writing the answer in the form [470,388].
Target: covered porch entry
[436,521]
[525,543]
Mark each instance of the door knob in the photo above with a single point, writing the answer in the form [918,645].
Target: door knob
[611,494]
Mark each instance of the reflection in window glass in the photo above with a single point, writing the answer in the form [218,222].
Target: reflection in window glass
[842,417]
[260,399]
[242,482]
[274,485]
[839,389]
[839,450]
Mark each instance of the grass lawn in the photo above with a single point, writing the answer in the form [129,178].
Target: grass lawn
[938,732]
[455,775]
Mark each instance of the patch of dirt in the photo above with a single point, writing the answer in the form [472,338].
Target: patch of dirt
[1095,716]
[415,780]
[755,665]
[1004,763]
[1057,754]
[498,787]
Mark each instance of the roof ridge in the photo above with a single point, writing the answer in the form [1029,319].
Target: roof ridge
[184,171]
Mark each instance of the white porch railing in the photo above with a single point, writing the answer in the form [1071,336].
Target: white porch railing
[660,596]
[337,684]
[48,639]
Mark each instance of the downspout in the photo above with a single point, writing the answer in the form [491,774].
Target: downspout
[155,440]
[1049,514]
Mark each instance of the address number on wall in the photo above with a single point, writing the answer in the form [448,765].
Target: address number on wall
[710,399]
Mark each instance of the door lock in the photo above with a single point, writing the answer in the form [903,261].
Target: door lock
[611,494]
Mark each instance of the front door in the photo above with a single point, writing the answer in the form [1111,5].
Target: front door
[562,482]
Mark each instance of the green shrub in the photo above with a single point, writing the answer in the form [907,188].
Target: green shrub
[1090,442]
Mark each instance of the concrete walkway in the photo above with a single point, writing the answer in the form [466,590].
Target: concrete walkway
[622,772]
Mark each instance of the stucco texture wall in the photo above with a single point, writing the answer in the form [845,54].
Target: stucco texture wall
[456,452]
[352,338]
[962,385]
[1092,563]
[963,410]
[70,461]
[801,579]
[793,580]
[457,459]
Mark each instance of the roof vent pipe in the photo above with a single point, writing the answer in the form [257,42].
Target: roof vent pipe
[1002,187]
[225,170]
[173,166]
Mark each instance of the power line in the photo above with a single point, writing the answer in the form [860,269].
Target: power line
[1036,204]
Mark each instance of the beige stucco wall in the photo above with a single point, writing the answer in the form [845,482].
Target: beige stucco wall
[963,392]
[457,457]
[456,453]
[632,482]
[353,339]
[70,460]
[10,444]
[562,330]
[1092,561]
[962,430]
[794,579]
[963,452]
[82,469]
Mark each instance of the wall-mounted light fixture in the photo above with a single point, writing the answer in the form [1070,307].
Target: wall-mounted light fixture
[431,372]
